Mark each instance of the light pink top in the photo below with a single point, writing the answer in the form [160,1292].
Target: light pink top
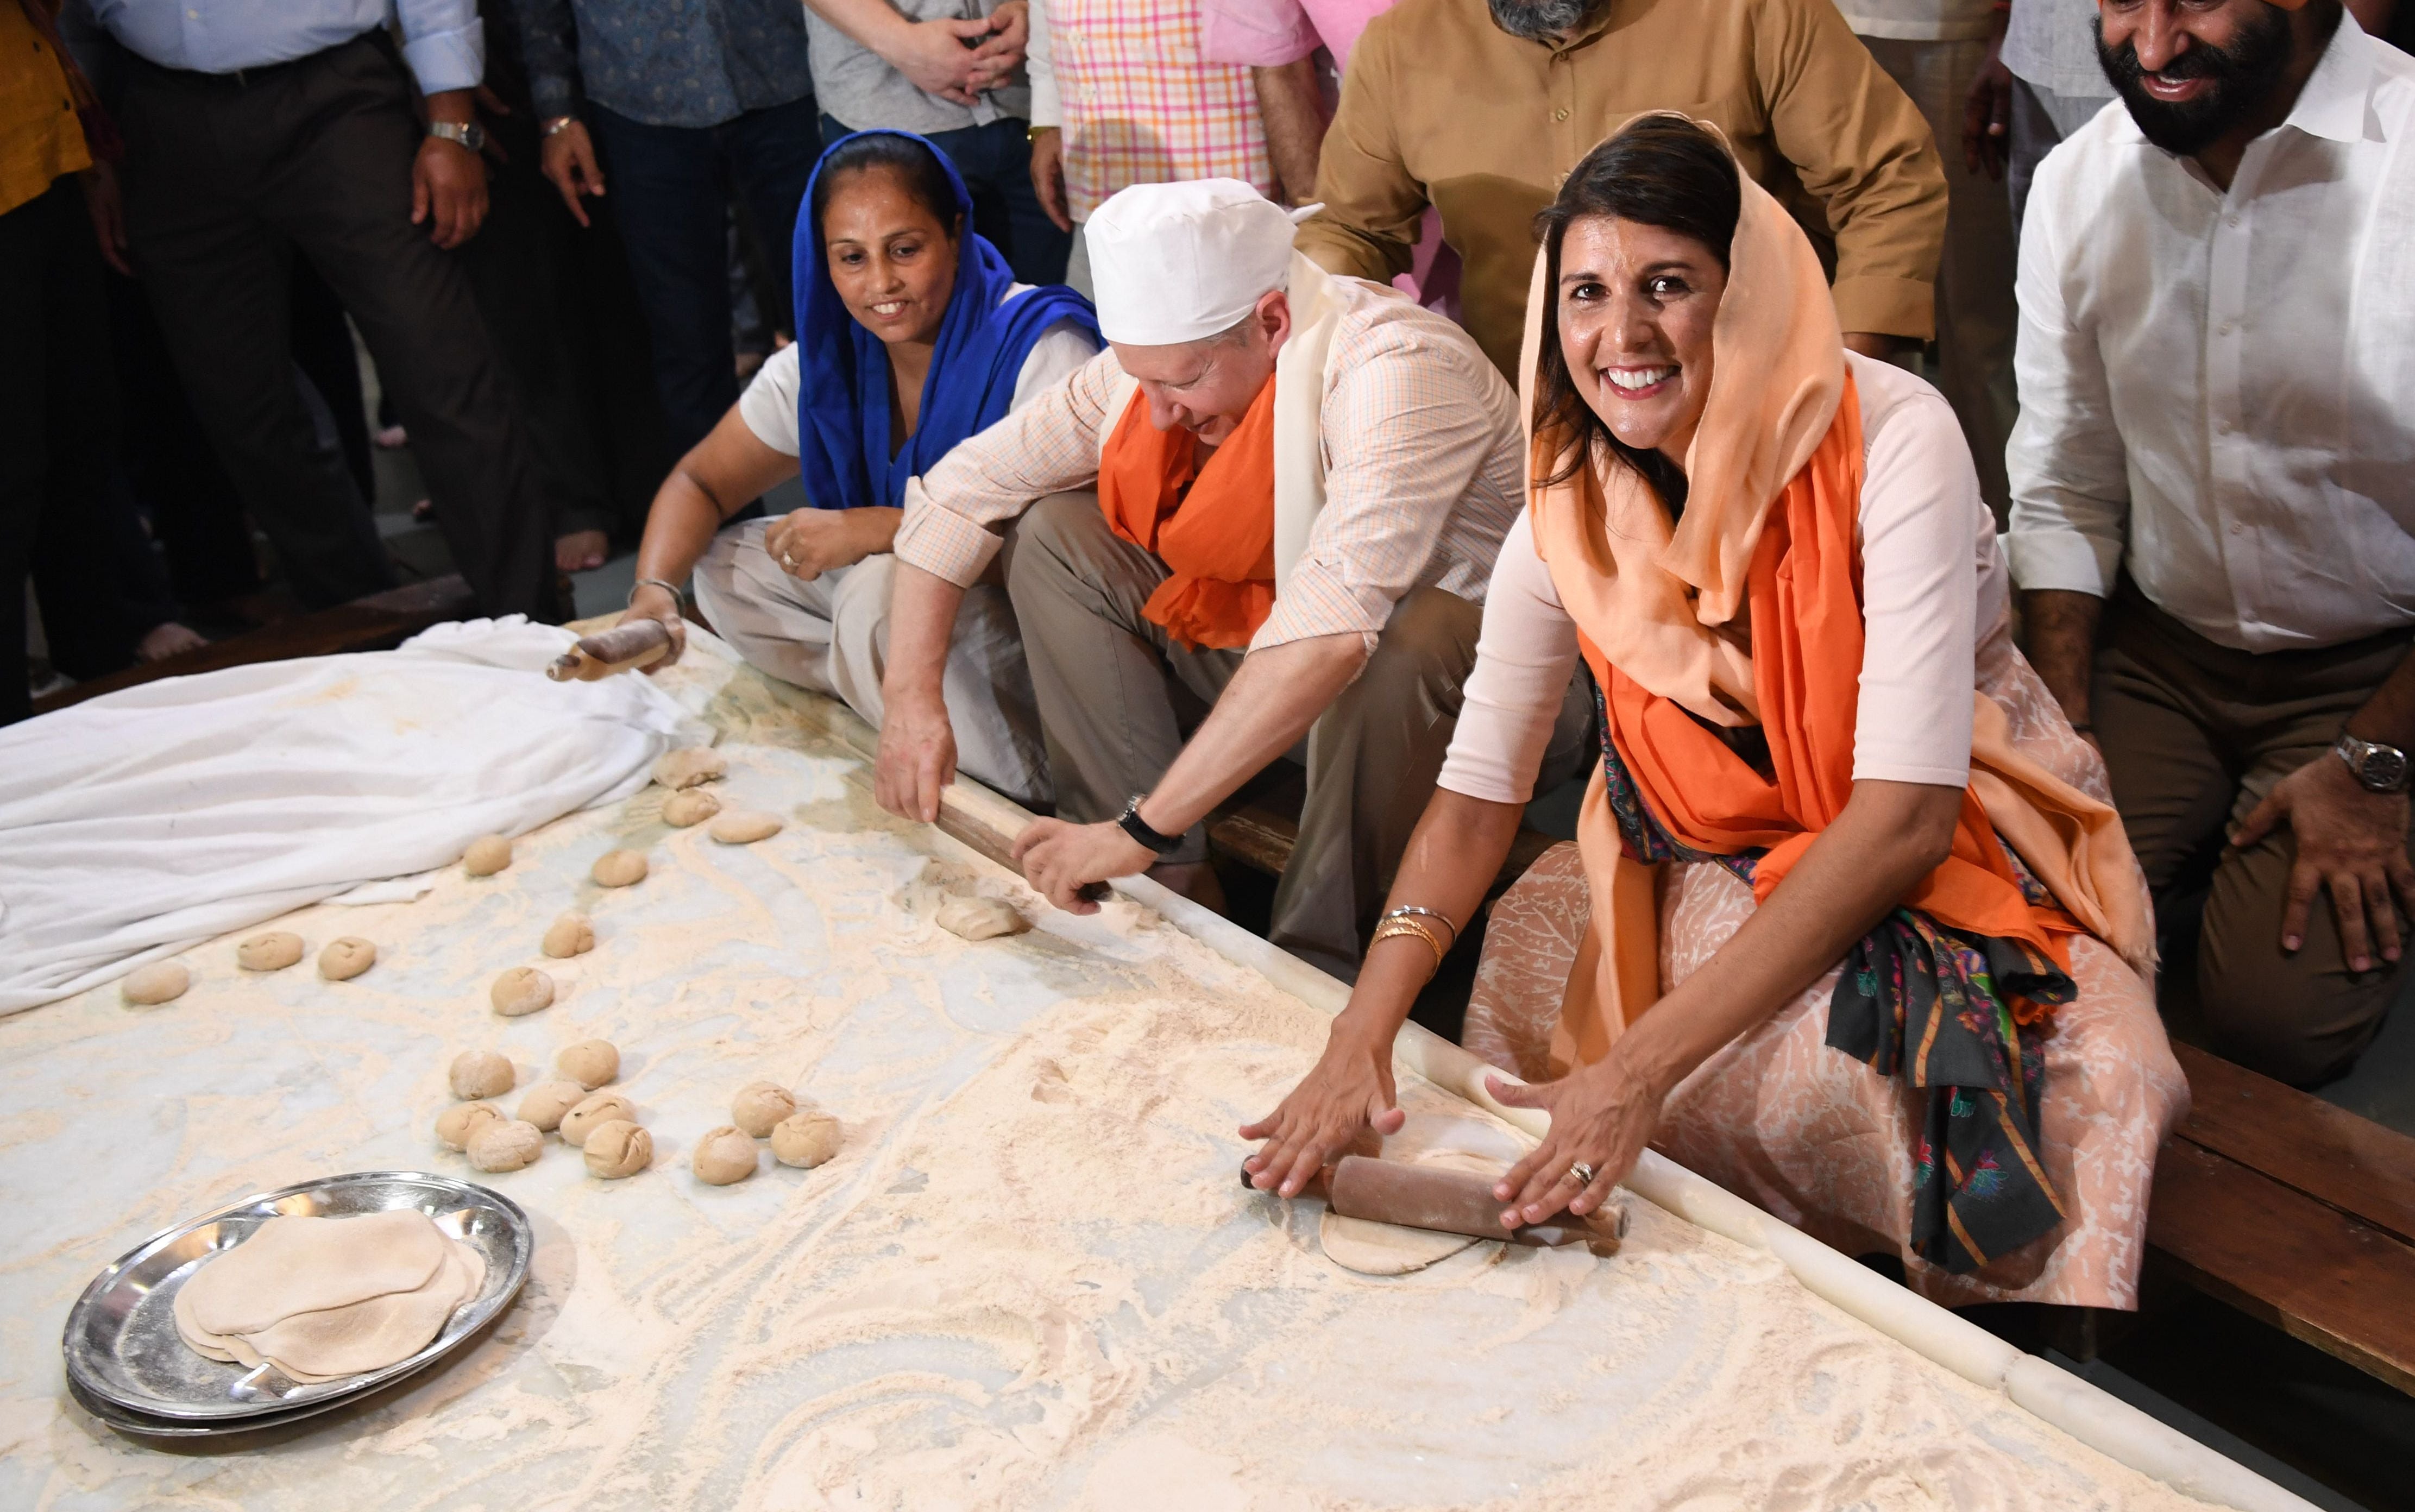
[1268,34]
[1931,579]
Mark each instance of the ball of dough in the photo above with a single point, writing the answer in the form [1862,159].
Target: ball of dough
[618,1148]
[346,958]
[592,1112]
[547,1102]
[456,1124]
[724,1156]
[759,1105]
[521,989]
[162,982]
[590,1063]
[486,855]
[272,951]
[805,1138]
[504,1145]
[480,1074]
[568,935]
[690,806]
[619,868]
[744,826]
[688,767]
[980,919]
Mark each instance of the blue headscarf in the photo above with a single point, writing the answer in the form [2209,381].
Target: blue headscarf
[843,370]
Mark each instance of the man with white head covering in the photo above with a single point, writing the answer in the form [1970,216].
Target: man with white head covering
[1291,487]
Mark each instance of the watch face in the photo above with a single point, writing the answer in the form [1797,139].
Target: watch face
[2384,768]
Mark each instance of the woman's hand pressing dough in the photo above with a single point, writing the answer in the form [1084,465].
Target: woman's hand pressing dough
[272,951]
[618,1148]
[689,805]
[568,935]
[486,855]
[346,958]
[590,1063]
[162,981]
[724,1155]
[759,1105]
[619,868]
[504,1145]
[592,1113]
[521,989]
[480,1074]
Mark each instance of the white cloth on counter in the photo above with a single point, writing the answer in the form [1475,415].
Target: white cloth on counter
[147,821]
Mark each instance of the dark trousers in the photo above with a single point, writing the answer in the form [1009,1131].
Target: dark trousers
[995,161]
[671,187]
[58,436]
[2194,734]
[225,182]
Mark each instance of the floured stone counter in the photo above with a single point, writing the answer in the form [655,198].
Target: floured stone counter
[1030,1277]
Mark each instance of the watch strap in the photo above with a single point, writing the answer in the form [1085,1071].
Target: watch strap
[1134,824]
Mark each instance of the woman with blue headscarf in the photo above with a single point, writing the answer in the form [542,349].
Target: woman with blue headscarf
[912,335]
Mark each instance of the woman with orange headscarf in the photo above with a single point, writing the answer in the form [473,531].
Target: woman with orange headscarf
[1850,926]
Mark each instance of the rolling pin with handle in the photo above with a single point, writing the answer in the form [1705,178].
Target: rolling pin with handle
[1448,1202]
[637,643]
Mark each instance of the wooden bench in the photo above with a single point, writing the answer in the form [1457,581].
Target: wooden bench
[2297,1213]
[377,622]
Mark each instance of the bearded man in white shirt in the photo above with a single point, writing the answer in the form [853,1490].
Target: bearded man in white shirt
[2214,490]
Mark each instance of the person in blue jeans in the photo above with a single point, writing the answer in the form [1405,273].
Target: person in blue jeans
[952,72]
[679,106]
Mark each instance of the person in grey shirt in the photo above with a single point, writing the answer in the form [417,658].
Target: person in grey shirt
[951,71]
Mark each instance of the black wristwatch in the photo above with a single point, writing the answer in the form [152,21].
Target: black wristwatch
[2382,768]
[1136,826]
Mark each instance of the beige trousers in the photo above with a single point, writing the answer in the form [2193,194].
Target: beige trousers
[1976,317]
[831,635]
[1117,697]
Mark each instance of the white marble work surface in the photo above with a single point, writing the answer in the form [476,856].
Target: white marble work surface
[1030,1278]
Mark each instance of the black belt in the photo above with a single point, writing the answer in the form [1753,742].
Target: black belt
[243,79]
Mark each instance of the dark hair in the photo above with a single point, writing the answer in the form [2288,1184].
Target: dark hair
[1660,171]
[915,163]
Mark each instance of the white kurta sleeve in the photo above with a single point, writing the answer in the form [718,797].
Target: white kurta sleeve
[1524,657]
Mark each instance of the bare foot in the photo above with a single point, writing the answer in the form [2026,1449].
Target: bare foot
[390,438]
[581,550]
[169,639]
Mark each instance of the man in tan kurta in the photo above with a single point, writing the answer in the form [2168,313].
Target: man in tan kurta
[1441,102]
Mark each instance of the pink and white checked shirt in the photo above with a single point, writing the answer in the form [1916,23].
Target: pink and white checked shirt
[1125,81]
[1424,473]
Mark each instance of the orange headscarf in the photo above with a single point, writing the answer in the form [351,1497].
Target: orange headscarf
[1213,525]
[1748,611]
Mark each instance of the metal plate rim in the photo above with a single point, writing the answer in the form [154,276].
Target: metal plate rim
[447,1339]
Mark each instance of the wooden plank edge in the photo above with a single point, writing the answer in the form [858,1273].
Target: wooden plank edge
[2361,1168]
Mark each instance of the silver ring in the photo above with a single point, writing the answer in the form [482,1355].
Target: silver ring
[1584,1173]
[787,561]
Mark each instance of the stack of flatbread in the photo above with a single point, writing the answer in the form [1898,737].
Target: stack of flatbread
[323,1298]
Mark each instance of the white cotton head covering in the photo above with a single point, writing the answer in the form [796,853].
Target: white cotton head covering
[1175,263]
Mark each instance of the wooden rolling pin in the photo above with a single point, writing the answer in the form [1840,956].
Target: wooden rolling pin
[1448,1201]
[635,644]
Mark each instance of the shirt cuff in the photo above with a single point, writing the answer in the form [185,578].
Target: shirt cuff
[553,96]
[2064,559]
[456,59]
[1258,41]
[1887,306]
[1317,603]
[942,542]
[1046,109]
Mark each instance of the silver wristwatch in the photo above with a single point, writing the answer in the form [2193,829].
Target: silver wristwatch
[2382,768]
[470,134]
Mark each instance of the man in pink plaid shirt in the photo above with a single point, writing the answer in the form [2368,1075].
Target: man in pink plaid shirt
[1120,95]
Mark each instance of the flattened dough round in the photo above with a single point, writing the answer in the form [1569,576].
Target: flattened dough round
[619,868]
[590,1063]
[980,919]
[346,958]
[618,1148]
[744,826]
[1372,1249]
[272,951]
[293,1263]
[573,934]
[688,767]
[689,805]
[162,982]
[486,855]
[521,989]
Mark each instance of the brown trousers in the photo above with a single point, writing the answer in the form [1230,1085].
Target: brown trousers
[1118,696]
[2194,734]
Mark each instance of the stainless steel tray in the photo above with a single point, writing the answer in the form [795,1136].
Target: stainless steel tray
[120,1342]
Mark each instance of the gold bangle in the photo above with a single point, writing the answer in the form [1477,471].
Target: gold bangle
[1409,926]
[1407,910]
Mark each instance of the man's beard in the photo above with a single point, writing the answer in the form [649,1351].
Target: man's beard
[1539,21]
[2244,73]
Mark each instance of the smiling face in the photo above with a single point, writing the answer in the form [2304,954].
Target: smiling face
[1637,304]
[892,262]
[1207,386]
[2191,72]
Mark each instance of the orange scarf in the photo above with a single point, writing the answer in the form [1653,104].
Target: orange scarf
[1213,526]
